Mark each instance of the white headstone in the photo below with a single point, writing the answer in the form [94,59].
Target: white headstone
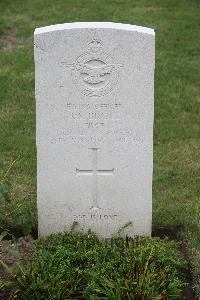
[94,98]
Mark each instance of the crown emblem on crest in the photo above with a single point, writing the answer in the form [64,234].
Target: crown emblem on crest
[95,45]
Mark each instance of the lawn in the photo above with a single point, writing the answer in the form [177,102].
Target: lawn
[176,188]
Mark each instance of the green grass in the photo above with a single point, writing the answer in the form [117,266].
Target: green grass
[176,187]
[80,266]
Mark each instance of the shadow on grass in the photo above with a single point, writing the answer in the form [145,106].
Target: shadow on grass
[17,232]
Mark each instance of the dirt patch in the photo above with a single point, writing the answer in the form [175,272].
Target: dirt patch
[9,39]
[19,251]
[188,292]
[173,233]
[11,253]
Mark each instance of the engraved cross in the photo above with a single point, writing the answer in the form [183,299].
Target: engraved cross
[94,172]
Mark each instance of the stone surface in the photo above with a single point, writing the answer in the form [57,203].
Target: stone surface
[94,99]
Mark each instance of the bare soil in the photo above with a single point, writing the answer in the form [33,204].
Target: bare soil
[12,253]
[9,39]
[173,234]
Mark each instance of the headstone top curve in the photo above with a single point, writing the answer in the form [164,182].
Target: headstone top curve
[94,25]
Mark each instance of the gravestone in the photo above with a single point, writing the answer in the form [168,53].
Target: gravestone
[94,103]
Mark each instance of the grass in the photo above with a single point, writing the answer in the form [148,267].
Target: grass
[176,187]
[80,266]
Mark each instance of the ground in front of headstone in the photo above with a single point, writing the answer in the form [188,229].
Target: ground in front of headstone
[80,266]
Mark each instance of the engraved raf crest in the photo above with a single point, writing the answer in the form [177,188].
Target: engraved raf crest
[95,72]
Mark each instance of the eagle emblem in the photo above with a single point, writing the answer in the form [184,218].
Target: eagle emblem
[94,72]
[95,75]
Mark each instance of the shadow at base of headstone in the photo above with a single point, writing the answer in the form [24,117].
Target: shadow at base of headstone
[172,232]
[18,232]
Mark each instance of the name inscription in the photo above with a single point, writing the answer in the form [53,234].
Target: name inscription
[95,123]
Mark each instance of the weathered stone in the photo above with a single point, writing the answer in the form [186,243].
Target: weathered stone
[94,98]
